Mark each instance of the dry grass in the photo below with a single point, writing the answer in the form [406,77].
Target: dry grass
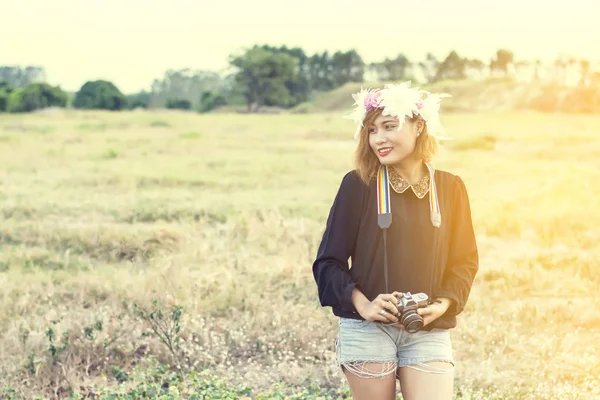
[222,214]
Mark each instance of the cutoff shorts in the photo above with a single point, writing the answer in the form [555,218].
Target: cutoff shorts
[366,341]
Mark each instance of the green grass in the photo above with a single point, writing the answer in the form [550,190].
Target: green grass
[210,223]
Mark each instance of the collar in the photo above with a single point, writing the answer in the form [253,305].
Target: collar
[400,185]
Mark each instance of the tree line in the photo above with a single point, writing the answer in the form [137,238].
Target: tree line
[261,76]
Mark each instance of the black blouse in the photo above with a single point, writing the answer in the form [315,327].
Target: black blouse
[441,262]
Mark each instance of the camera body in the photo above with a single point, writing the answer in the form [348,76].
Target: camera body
[407,306]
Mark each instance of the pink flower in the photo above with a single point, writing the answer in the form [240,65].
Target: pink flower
[372,100]
[419,105]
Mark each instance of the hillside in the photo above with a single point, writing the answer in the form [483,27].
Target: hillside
[488,95]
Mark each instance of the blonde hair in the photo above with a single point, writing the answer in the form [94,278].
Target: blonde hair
[365,160]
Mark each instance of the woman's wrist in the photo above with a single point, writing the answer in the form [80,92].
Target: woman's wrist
[359,299]
[446,302]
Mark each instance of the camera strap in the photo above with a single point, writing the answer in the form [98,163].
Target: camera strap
[384,210]
[384,216]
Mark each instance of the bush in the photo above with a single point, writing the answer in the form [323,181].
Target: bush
[5,90]
[210,100]
[101,95]
[179,104]
[3,100]
[34,96]
[139,100]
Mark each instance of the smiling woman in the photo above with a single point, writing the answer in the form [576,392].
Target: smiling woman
[397,303]
[370,155]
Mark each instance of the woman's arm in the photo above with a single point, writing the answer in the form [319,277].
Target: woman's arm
[463,260]
[330,268]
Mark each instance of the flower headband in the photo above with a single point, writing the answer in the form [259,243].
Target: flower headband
[400,101]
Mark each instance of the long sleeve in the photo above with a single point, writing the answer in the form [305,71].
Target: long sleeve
[463,260]
[330,268]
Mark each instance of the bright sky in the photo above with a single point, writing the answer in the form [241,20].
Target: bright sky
[131,42]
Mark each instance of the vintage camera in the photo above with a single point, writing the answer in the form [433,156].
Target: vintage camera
[407,310]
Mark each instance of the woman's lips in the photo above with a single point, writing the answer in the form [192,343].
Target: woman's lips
[384,151]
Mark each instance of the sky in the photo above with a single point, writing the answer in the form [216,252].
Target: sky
[133,42]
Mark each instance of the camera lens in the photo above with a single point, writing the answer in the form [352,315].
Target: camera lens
[412,321]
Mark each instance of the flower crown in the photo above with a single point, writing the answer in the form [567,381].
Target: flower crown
[400,100]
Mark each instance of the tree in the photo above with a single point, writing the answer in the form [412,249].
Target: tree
[299,86]
[393,69]
[210,100]
[476,66]
[5,90]
[261,76]
[501,62]
[185,84]
[560,70]
[429,67]
[453,67]
[328,71]
[347,67]
[320,72]
[100,94]
[35,96]
[19,77]
[585,72]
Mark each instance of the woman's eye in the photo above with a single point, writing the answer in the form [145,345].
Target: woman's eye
[389,127]
[372,130]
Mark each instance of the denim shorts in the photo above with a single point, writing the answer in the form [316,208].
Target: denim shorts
[360,341]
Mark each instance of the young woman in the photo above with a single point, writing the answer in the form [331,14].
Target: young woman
[408,232]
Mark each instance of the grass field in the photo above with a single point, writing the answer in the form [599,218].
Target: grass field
[188,239]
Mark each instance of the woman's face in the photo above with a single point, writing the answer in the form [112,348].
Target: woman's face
[390,145]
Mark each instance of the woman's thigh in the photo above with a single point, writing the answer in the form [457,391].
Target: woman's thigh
[367,354]
[372,387]
[426,365]
[428,381]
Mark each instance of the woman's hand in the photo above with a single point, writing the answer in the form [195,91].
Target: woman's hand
[381,309]
[434,310]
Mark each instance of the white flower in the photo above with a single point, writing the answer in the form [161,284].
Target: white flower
[430,112]
[360,111]
[431,106]
[400,101]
